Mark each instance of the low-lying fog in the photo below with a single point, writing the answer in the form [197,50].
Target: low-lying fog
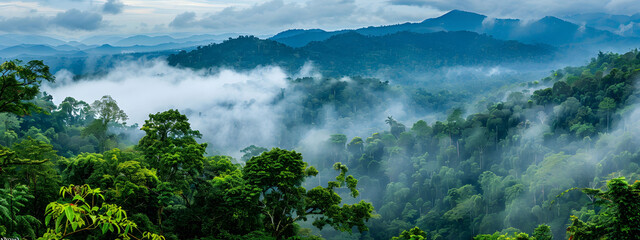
[236,109]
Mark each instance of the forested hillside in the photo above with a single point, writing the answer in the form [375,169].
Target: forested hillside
[552,158]
[403,51]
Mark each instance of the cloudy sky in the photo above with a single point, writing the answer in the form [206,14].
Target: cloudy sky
[77,19]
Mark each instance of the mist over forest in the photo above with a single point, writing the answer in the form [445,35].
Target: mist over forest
[461,126]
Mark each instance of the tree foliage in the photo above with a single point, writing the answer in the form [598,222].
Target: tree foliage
[20,83]
[620,218]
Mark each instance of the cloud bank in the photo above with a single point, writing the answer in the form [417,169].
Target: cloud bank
[113,7]
[232,110]
[72,19]
[280,15]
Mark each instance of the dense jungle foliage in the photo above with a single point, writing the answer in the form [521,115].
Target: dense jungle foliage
[554,159]
[403,51]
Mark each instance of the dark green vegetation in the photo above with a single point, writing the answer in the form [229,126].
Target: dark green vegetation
[505,172]
[403,51]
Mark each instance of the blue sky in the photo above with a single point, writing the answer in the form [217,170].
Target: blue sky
[76,19]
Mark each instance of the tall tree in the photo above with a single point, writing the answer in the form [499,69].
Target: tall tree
[75,111]
[607,105]
[20,83]
[274,180]
[619,218]
[170,146]
[107,110]
[12,202]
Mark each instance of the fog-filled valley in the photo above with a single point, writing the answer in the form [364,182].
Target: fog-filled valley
[461,126]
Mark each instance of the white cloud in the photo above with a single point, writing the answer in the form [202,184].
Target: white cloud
[113,7]
[232,110]
[75,19]
[72,19]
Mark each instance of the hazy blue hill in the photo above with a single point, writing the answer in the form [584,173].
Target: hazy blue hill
[548,30]
[353,53]
[243,52]
[455,20]
[66,47]
[294,32]
[555,31]
[104,49]
[624,25]
[17,39]
[502,28]
[81,50]
[206,37]
[390,29]
[144,40]
[101,39]
[299,38]
[32,50]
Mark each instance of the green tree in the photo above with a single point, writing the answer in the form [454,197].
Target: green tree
[13,201]
[274,182]
[542,232]
[618,219]
[86,211]
[607,105]
[413,234]
[396,127]
[507,236]
[355,148]
[170,145]
[20,83]
[75,111]
[107,110]
[43,179]
[9,124]
[10,158]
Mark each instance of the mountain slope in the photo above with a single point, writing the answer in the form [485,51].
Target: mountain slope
[17,39]
[548,30]
[144,40]
[624,25]
[352,53]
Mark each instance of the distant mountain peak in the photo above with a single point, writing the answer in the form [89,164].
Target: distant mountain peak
[462,15]
[551,19]
[455,20]
[293,32]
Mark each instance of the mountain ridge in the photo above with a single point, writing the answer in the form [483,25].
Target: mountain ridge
[547,30]
[402,51]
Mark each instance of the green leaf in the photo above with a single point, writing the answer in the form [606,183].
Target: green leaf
[47,219]
[58,222]
[69,213]
[78,197]
[105,227]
